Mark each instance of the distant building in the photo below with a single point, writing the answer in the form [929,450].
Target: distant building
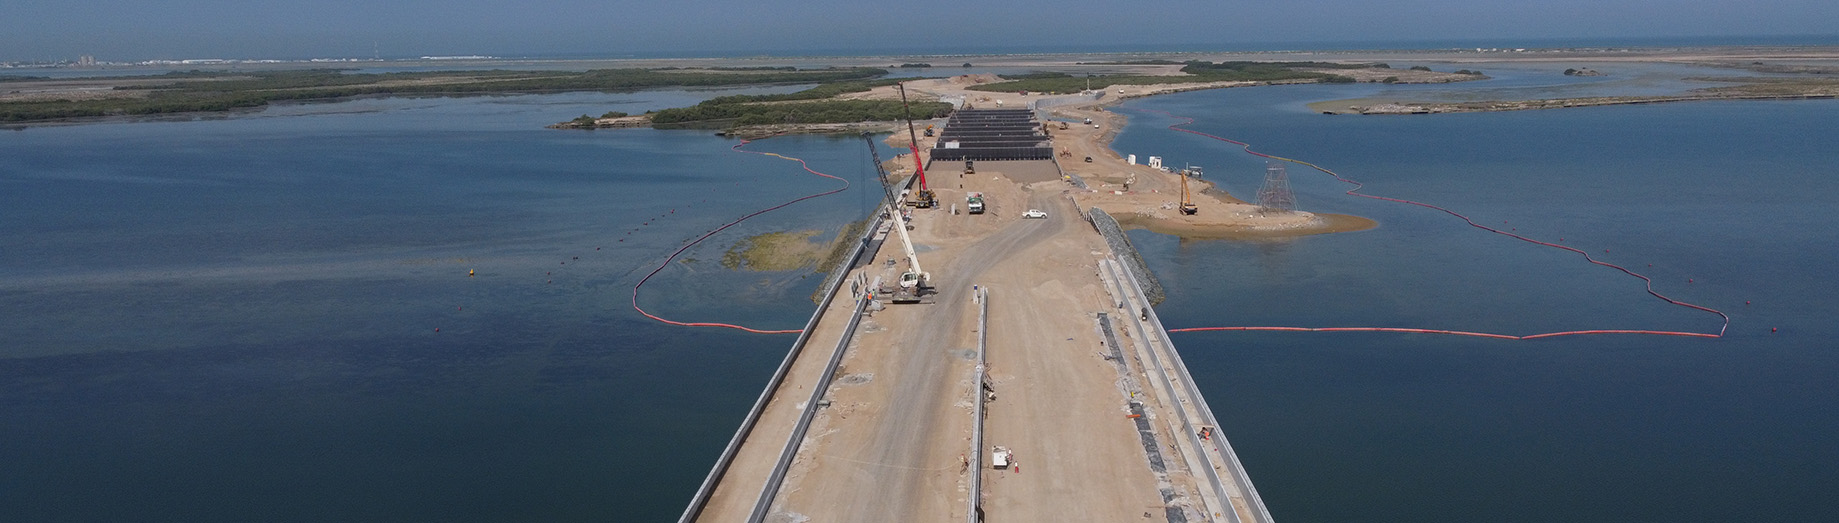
[86,61]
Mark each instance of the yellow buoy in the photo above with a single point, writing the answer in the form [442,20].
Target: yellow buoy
[469,273]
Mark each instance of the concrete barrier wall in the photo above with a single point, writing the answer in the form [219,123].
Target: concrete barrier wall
[1190,410]
[1127,253]
[1160,336]
[763,505]
[834,282]
[973,511]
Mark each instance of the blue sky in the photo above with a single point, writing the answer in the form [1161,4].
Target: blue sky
[134,30]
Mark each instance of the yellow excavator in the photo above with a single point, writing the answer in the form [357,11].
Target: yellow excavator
[1187,203]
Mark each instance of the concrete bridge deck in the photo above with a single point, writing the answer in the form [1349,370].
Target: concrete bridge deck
[1088,392]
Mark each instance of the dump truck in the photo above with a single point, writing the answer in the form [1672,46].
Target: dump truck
[975,202]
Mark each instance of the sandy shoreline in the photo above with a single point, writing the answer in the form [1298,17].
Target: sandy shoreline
[1144,198]
[1151,204]
[1381,107]
[1138,196]
[1323,223]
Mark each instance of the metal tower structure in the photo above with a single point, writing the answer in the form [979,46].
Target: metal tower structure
[1275,195]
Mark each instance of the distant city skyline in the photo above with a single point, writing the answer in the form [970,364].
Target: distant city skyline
[116,30]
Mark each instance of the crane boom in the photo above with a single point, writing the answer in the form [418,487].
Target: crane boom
[915,277]
[913,138]
[887,188]
[925,199]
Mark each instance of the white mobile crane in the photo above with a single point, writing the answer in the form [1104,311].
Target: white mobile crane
[915,282]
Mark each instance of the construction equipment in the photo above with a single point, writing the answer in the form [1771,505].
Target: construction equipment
[1062,126]
[975,202]
[887,187]
[928,131]
[1187,204]
[915,282]
[968,169]
[924,199]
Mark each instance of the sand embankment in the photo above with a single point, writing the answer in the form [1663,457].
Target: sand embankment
[1141,197]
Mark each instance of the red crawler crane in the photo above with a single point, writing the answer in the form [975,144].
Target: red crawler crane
[923,199]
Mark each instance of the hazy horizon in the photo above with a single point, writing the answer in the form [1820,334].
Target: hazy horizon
[1324,45]
[115,30]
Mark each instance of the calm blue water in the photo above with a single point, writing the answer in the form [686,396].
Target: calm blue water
[234,320]
[1542,80]
[1386,427]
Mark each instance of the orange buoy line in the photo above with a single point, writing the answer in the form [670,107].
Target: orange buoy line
[1356,192]
[705,236]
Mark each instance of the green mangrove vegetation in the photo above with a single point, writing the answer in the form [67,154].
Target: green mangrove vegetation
[825,111]
[814,105]
[822,91]
[1197,71]
[197,91]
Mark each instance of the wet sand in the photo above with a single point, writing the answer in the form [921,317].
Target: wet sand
[1322,224]
[1153,198]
